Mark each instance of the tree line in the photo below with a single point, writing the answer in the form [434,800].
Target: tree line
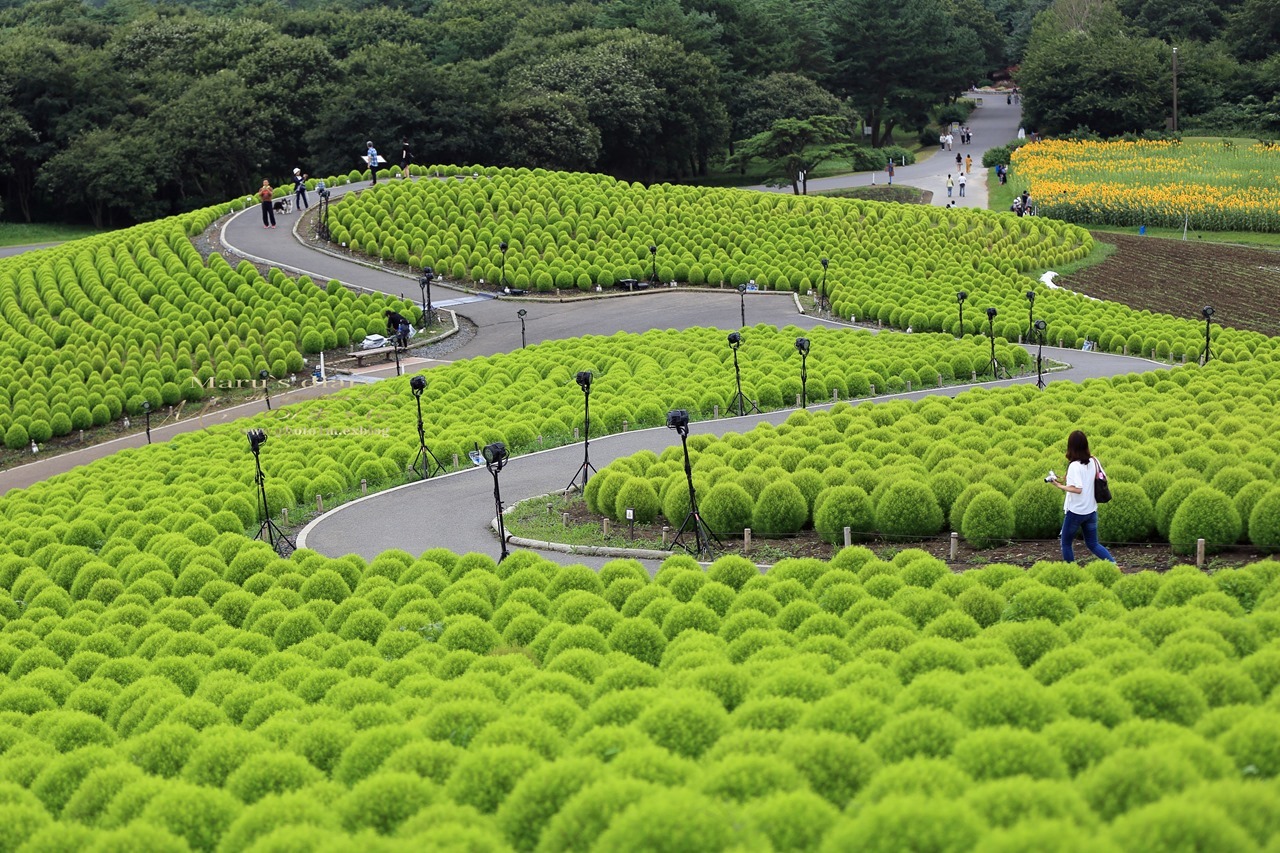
[130,110]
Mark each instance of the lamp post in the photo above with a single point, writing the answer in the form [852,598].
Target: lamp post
[802,347]
[521,314]
[1175,90]
[653,270]
[1207,313]
[146,410]
[961,296]
[502,247]
[424,283]
[1031,308]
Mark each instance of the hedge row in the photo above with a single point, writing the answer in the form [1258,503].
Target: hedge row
[221,698]
[1195,455]
[897,264]
[91,329]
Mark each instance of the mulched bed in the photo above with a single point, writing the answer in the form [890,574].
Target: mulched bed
[1130,558]
[1179,277]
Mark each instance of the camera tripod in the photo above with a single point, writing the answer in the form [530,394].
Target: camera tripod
[703,537]
[993,365]
[425,458]
[268,531]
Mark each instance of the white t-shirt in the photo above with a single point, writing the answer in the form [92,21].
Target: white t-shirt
[1081,474]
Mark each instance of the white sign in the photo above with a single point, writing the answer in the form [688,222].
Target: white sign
[631,514]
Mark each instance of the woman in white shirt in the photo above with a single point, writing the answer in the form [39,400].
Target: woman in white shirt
[1080,509]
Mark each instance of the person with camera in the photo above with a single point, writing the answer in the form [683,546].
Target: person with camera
[394,321]
[1080,507]
[299,190]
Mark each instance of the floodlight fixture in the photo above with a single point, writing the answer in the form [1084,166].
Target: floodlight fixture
[521,314]
[993,365]
[424,284]
[502,247]
[267,531]
[735,339]
[266,386]
[1031,306]
[802,347]
[1207,313]
[991,313]
[495,458]
[678,420]
[425,462]
[1039,326]
[742,303]
[740,400]
[417,385]
[583,378]
[653,271]
[822,286]
[146,410]
[961,296]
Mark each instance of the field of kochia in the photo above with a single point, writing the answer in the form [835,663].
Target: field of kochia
[1191,454]
[897,265]
[216,697]
[168,684]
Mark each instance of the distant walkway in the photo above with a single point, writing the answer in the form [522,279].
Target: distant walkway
[11,251]
[994,123]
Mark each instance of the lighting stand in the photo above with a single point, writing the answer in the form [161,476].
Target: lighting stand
[425,458]
[742,304]
[520,313]
[146,410]
[1031,318]
[395,346]
[424,283]
[268,531]
[502,283]
[802,346]
[993,365]
[823,304]
[702,535]
[653,272]
[740,400]
[1207,313]
[266,386]
[1039,326]
[495,459]
[960,298]
[586,468]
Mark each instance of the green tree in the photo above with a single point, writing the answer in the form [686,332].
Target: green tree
[780,95]
[107,172]
[792,147]
[1082,70]
[551,130]
[895,59]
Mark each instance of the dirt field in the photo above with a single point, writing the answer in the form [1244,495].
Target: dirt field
[1178,278]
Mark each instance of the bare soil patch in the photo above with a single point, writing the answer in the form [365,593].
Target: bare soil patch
[1180,277]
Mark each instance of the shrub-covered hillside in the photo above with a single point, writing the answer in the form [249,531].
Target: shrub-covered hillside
[91,329]
[241,701]
[1191,453]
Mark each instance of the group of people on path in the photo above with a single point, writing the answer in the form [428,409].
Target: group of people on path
[960,180]
[947,139]
[266,195]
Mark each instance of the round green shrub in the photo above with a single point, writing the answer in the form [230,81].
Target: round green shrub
[780,510]
[988,520]
[727,508]
[908,510]
[1264,522]
[1205,514]
[840,507]
[636,493]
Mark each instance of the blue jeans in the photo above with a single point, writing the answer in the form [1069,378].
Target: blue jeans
[1089,523]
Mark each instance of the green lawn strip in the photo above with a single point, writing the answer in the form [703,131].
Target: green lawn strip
[36,233]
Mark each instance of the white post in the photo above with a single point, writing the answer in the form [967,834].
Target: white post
[1199,553]
[322,375]
[746,539]
[955,544]
[848,537]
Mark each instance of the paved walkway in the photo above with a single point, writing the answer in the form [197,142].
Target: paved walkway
[994,123]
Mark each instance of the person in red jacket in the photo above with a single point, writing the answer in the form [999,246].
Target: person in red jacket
[264,195]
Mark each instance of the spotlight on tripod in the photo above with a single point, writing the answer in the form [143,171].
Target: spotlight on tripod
[425,463]
[583,378]
[994,366]
[735,341]
[653,271]
[424,284]
[502,247]
[823,304]
[742,303]
[1039,326]
[678,420]
[146,410]
[268,531]
[961,296]
[1207,313]
[802,347]
[495,459]
[266,386]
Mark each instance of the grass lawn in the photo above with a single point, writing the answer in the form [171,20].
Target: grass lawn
[33,233]
[756,171]
[900,193]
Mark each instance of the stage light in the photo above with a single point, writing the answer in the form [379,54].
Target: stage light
[267,531]
[266,386]
[417,384]
[424,458]
[521,314]
[495,458]
[146,410]
[802,347]
[583,378]
[735,339]
[678,419]
[495,454]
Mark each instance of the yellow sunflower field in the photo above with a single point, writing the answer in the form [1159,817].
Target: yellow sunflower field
[1209,184]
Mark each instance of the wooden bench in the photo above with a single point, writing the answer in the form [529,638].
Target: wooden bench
[361,355]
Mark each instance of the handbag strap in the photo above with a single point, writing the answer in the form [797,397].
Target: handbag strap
[1101,472]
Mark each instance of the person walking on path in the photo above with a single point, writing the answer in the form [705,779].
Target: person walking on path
[950,141]
[1080,507]
[962,183]
[405,157]
[264,196]
[942,142]
[372,154]
[300,190]
[950,184]
[888,167]
[968,163]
